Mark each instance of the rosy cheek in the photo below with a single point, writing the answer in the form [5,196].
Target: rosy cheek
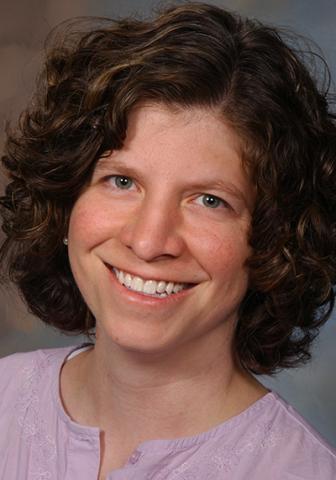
[224,251]
[86,221]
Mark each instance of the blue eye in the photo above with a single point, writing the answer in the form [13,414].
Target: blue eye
[122,182]
[211,201]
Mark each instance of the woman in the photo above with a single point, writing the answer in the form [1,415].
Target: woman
[171,194]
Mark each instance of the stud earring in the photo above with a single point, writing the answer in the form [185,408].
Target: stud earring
[65,241]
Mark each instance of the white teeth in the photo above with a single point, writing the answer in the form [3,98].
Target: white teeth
[148,287]
[170,288]
[128,280]
[177,288]
[161,286]
[137,284]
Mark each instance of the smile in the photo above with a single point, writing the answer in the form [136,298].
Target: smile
[154,288]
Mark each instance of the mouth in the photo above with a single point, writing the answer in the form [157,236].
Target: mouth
[149,287]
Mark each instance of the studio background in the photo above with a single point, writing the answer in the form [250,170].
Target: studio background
[23,27]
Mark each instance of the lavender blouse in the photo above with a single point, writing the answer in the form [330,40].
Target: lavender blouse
[38,440]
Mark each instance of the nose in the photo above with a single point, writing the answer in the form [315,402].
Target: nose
[154,232]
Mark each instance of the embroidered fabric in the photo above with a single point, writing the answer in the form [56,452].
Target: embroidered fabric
[33,428]
[225,457]
[43,443]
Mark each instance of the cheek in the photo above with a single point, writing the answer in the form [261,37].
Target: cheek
[88,224]
[222,252]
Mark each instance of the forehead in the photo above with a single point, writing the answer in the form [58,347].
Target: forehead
[182,132]
[163,119]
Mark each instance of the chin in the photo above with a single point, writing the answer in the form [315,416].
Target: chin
[142,339]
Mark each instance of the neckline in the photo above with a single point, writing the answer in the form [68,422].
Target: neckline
[76,428]
[93,433]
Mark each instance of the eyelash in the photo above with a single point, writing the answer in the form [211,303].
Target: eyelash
[219,201]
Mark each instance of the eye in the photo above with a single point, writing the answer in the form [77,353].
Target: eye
[120,181]
[211,201]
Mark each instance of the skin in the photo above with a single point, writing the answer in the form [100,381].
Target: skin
[155,356]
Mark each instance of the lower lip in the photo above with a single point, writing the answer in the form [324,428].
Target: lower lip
[147,299]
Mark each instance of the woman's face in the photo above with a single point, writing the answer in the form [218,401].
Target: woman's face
[170,210]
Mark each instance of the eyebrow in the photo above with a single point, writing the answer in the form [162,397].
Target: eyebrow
[108,162]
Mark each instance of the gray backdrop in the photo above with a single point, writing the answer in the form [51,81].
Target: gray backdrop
[23,26]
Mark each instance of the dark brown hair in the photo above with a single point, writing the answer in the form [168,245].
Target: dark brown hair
[190,55]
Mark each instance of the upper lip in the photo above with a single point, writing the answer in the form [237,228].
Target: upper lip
[149,277]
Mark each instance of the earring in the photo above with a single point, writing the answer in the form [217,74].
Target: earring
[65,241]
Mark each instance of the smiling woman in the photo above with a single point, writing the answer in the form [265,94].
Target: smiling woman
[172,195]
[171,224]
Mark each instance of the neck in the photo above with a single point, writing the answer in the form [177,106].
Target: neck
[147,396]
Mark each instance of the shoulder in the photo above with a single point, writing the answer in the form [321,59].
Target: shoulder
[301,451]
[18,360]
[24,369]
[270,437]
[29,418]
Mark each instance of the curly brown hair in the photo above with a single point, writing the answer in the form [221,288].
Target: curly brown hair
[189,55]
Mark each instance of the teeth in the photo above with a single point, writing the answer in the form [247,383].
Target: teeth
[161,286]
[137,284]
[127,280]
[149,287]
[177,288]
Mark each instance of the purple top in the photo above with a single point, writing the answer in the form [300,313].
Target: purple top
[39,441]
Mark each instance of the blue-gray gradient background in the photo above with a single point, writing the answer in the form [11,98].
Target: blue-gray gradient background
[23,26]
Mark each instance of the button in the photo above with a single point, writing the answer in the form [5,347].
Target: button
[134,457]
